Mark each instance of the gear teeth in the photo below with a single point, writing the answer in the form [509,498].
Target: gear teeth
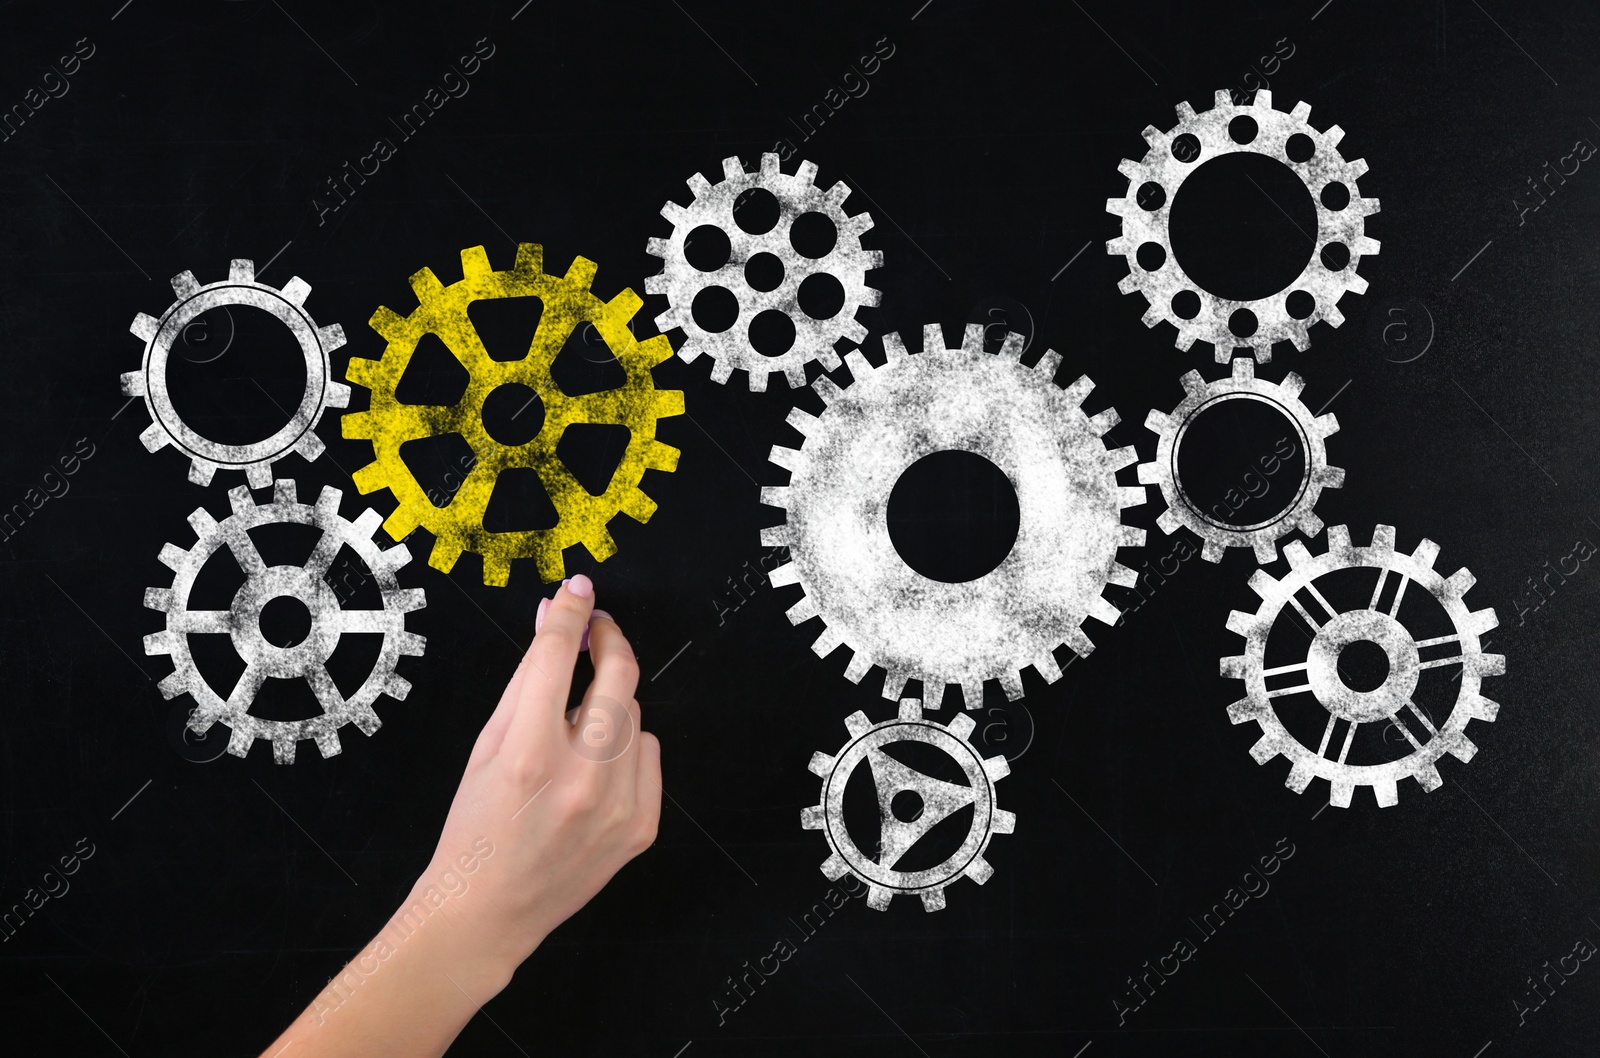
[1457,584]
[1266,551]
[857,668]
[174,684]
[240,741]
[1122,576]
[979,870]
[391,327]
[811,818]
[1338,539]
[1011,682]
[1481,708]
[1075,394]
[1049,363]
[337,394]
[933,339]
[1383,537]
[241,270]
[857,363]
[1340,793]
[444,554]
[309,448]
[1130,536]
[932,899]
[806,173]
[296,290]
[1100,423]
[1386,793]
[1079,642]
[425,285]
[893,348]
[1298,556]
[185,285]
[154,438]
[1428,777]
[1299,778]
[145,326]
[475,263]
[1333,135]
[835,868]
[259,476]
[1241,623]
[699,186]
[827,640]
[201,472]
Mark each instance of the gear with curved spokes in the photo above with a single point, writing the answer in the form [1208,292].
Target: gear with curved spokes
[567,302]
[242,621]
[206,456]
[939,799]
[1393,701]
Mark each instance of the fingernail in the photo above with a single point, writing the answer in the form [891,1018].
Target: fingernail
[601,613]
[538,621]
[580,587]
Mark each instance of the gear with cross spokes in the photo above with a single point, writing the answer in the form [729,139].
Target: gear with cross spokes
[1386,703]
[206,456]
[939,800]
[797,195]
[1037,434]
[242,621]
[1312,433]
[636,404]
[1153,185]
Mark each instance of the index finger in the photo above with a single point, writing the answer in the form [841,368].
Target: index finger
[542,698]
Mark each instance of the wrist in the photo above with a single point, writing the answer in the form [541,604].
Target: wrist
[437,918]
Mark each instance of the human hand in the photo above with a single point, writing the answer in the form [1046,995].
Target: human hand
[560,801]
[550,807]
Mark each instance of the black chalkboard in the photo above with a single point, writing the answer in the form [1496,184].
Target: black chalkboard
[1162,894]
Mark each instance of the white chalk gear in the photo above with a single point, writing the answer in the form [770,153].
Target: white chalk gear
[939,800]
[206,456]
[1319,673]
[1068,498]
[847,262]
[242,621]
[1283,397]
[1162,167]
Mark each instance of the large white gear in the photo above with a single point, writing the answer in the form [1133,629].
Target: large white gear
[206,456]
[1069,501]
[1322,679]
[1167,166]
[264,583]
[847,262]
[939,800]
[1312,432]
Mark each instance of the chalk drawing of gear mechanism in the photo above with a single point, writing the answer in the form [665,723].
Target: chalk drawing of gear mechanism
[1312,433]
[567,303]
[206,457]
[1313,156]
[242,621]
[1390,703]
[846,261]
[939,800]
[1017,418]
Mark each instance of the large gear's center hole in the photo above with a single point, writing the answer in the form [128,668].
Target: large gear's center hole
[1243,226]
[1363,665]
[285,621]
[953,516]
[513,414]
[247,395]
[1241,462]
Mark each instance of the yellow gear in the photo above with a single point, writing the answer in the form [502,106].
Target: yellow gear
[458,526]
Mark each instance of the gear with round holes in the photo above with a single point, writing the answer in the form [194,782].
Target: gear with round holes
[1017,418]
[1312,432]
[636,404]
[1153,185]
[846,262]
[939,799]
[206,457]
[1321,677]
[242,621]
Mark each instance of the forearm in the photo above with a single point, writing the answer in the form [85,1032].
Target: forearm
[408,993]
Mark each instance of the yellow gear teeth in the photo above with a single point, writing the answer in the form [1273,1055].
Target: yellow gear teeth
[636,404]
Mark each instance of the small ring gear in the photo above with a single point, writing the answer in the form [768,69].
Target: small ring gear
[1318,673]
[797,195]
[567,303]
[206,457]
[1168,163]
[1201,396]
[242,621]
[939,799]
[1017,418]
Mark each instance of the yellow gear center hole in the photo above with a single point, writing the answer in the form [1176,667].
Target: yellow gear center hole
[513,414]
